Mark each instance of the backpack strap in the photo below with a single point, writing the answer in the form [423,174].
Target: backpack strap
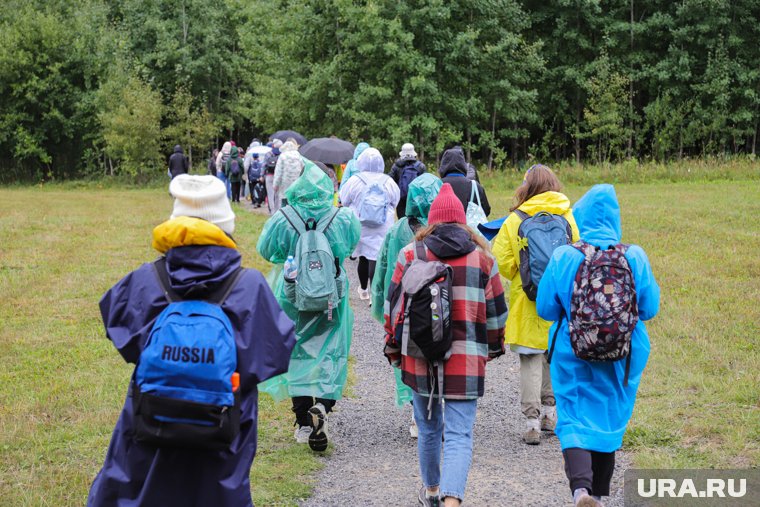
[419,247]
[554,340]
[520,213]
[294,219]
[323,224]
[217,296]
[474,194]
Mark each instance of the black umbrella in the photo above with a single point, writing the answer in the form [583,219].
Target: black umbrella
[283,136]
[328,150]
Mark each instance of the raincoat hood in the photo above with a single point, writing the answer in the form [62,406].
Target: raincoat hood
[452,161]
[598,216]
[234,152]
[360,149]
[313,190]
[178,149]
[555,203]
[288,146]
[371,161]
[226,147]
[422,191]
[448,241]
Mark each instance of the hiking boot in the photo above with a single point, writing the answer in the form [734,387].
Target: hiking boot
[413,431]
[429,501]
[532,435]
[318,435]
[302,434]
[549,419]
[581,498]
[363,293]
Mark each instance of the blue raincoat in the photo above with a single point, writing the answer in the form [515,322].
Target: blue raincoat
[351,167]
[319,362]
[593,406]
[136,474]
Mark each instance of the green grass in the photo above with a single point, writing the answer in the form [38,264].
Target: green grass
[62,383]
[699,401]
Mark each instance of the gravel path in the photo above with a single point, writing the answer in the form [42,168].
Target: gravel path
[374,459]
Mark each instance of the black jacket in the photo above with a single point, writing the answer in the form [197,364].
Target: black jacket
[178,162]
[399,165]
[453,170]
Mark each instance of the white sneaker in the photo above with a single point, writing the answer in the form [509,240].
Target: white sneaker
[532,435]
[363,293]
[549,419]
[302,434]
[318,431]
[413,430]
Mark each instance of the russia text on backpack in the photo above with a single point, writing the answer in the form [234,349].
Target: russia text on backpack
[539,235]
[408,174]
[421,313]
[184,392]
[320,282]
[374,205]
[603,306]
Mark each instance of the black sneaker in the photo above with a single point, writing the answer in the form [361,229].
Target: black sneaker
[318,437]
[429,501]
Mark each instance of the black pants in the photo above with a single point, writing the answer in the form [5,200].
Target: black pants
[401,208]
[366,271]
[302,404]
[589,469]
[235,191]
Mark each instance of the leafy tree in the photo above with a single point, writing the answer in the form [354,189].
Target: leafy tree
[189,125]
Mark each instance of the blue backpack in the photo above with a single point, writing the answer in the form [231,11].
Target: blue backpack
[373,208]
[254,170]
[183,392]
[539,235]
[408,174]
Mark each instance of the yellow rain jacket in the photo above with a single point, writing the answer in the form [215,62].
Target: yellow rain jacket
[524,326]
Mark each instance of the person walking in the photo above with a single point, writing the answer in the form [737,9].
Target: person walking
[589,432]
[233,170]
[289,167]
[270,164]
[212,162]
[527,333]
[178,163]
[199,259]
[422,192]
[453,170]
[255,173]
[404,170]
[318,367]
[373,196]
[478,311]
[221,162]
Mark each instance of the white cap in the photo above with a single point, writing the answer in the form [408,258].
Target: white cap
[407,151]
[202,197]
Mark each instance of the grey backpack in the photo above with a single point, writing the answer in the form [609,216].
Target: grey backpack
[320,282]
[539,235]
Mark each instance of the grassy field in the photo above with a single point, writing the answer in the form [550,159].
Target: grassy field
[62,384]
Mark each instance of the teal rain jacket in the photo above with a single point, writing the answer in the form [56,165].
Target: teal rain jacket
[351,167]
[593,406]
[319,362]
[422,191]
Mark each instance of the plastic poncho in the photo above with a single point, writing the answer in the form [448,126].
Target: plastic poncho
[351,167]
[289,166]
[197,252]
[524,327]
[319,363]
[422,191]
[352,194]
[593,406]
[234,155]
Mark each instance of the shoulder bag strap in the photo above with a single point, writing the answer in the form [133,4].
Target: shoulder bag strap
[159,266]
[474,194]
[520,213]
[554,340]
[220,294]
[419,247]
[294,219]
[323,224]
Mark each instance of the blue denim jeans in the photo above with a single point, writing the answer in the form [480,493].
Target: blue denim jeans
[451,475]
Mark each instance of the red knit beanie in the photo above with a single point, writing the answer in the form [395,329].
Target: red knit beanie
[446,208]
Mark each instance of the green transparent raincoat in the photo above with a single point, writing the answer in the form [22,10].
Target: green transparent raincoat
[422,191]
[319,362]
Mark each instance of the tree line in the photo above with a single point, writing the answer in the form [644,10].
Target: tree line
[108,86]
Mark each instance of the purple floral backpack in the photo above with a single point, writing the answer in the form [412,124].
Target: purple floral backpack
[603,308]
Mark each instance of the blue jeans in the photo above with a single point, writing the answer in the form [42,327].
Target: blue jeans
[226,182]
[457,448]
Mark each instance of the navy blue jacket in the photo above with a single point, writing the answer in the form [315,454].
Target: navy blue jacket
[138,474]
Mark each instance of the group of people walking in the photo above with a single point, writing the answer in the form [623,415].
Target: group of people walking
[207,335]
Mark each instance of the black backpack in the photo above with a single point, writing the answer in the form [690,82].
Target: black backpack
[271,164]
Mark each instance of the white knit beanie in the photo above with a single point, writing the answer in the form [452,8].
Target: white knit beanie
[202,197]
[407,151]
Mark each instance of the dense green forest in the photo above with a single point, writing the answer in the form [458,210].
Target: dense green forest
[108,86]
